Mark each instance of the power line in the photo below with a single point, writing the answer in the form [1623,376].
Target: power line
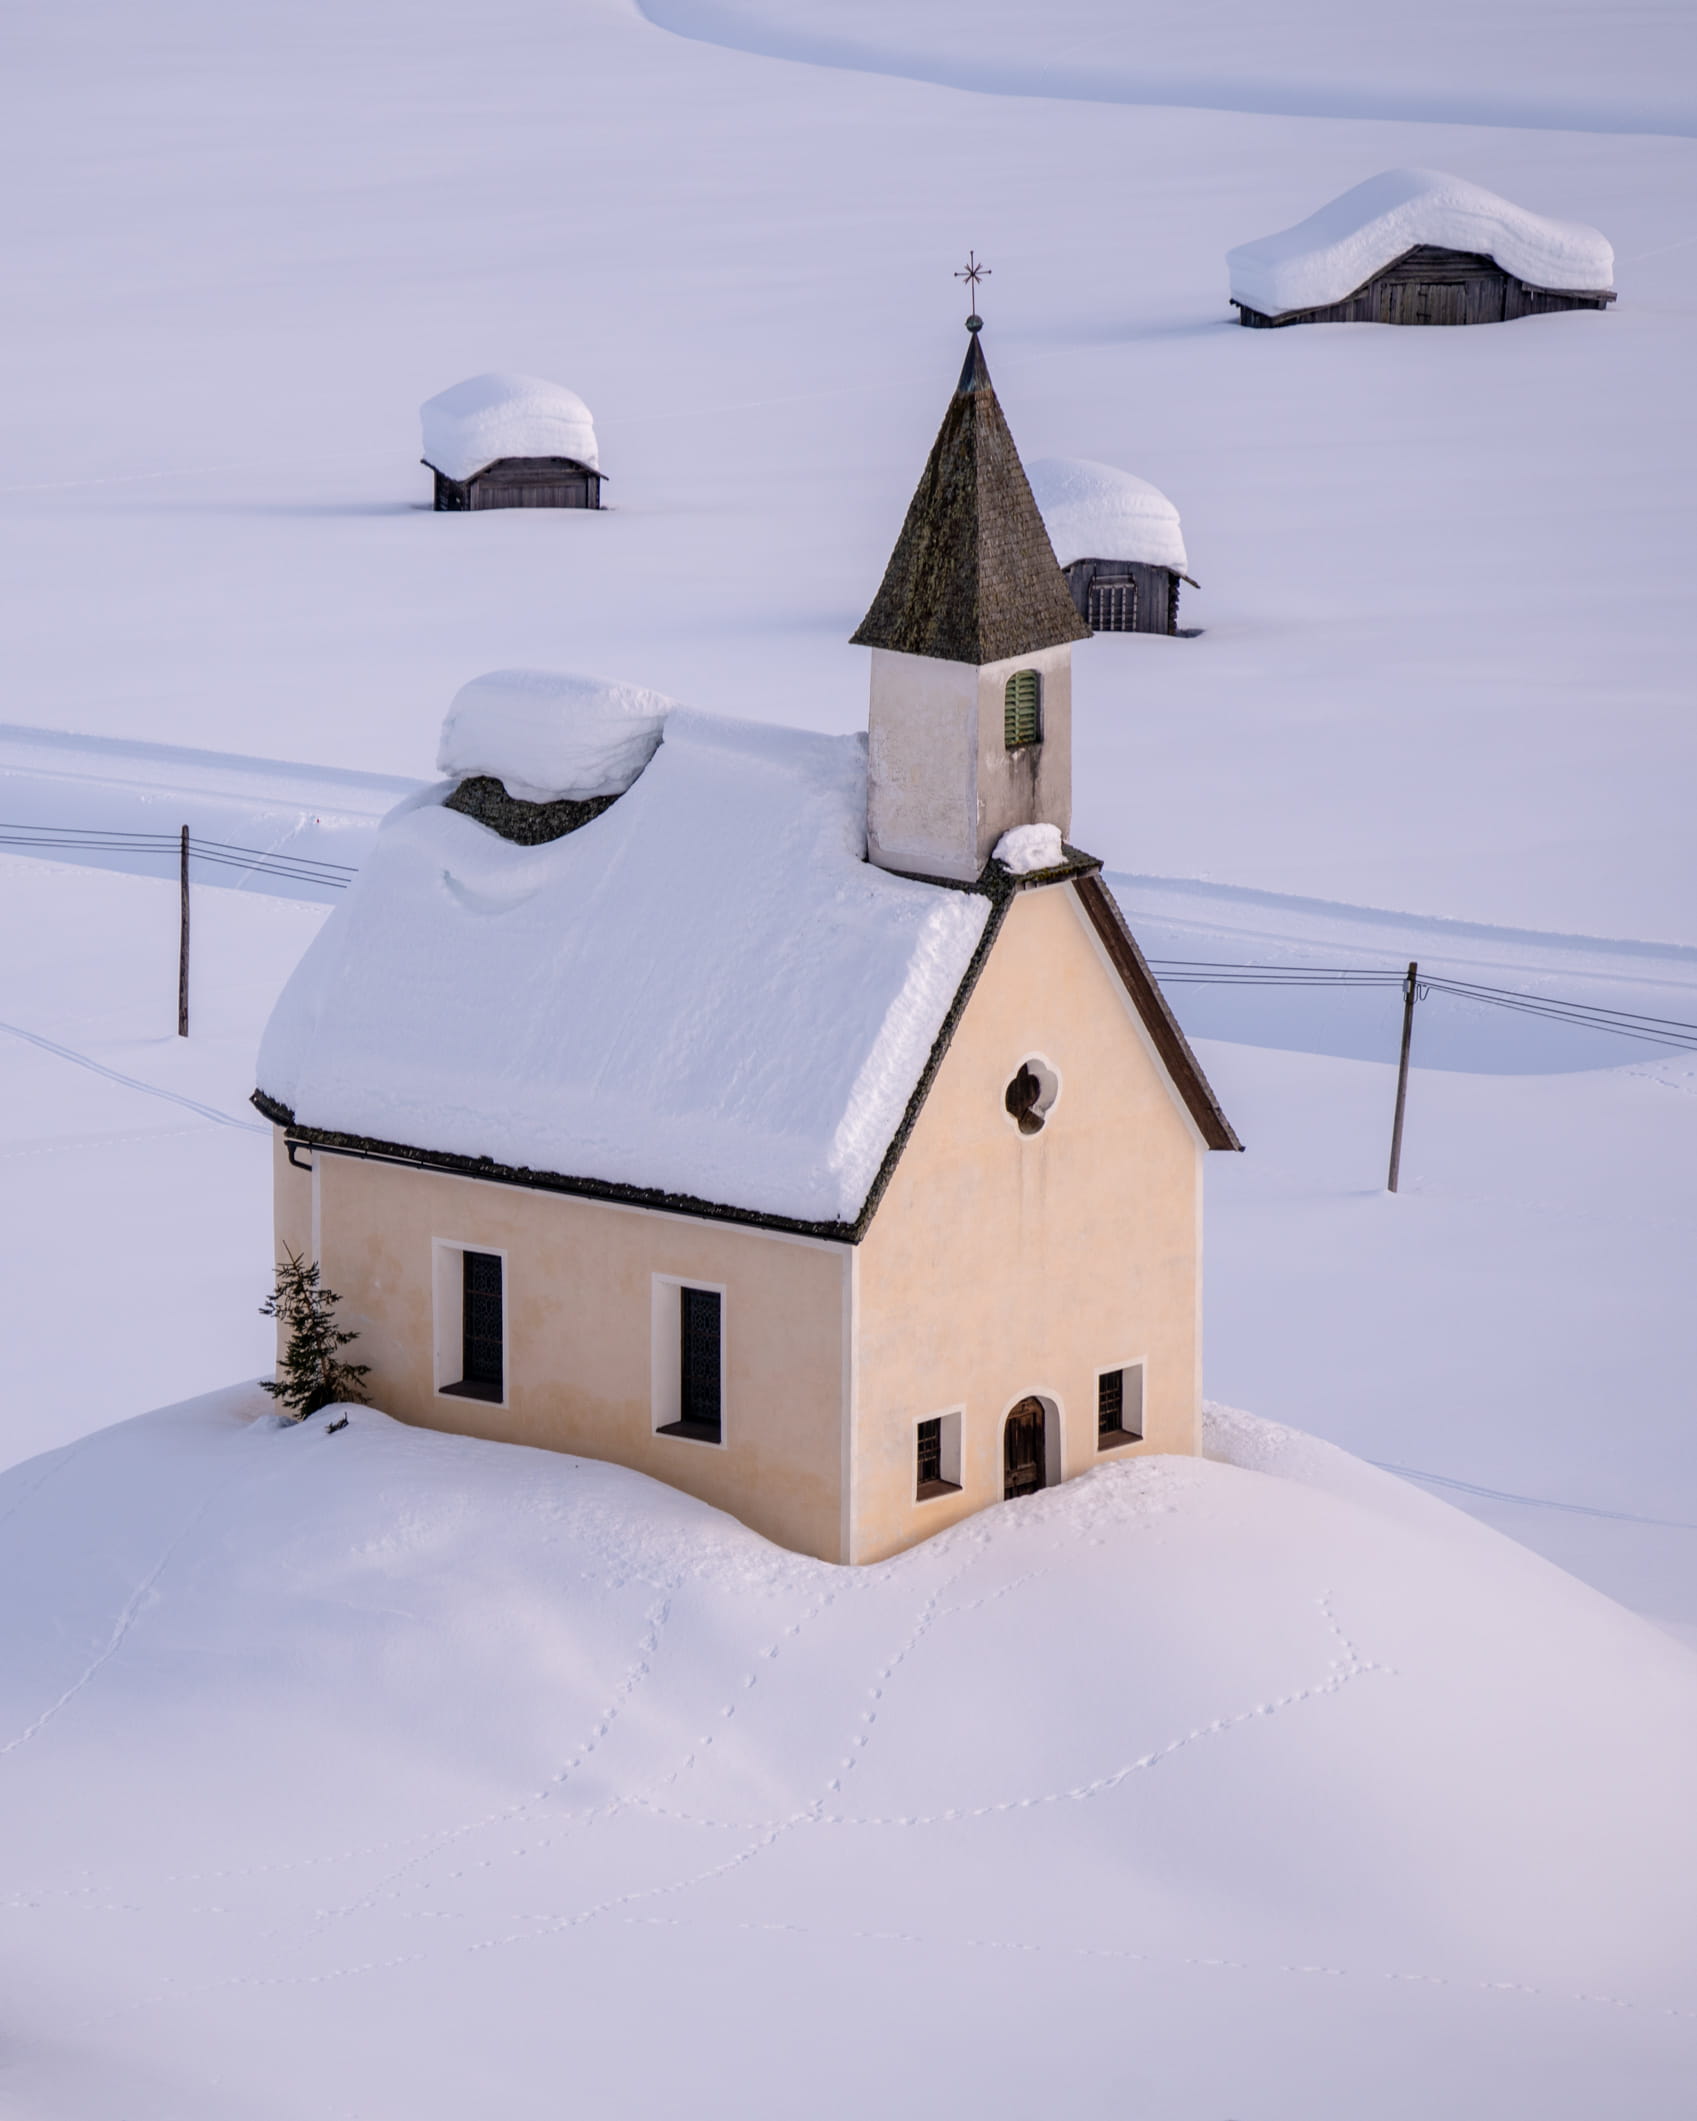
[1591,1016]
[296,868]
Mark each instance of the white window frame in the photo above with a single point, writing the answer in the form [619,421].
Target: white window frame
[1139,1364]
[949,1467]
[447,1311]
[665,1359]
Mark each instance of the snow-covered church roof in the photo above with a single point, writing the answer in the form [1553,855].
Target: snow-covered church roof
[1340,248]
[706,992]
[1097,512]
[497,415]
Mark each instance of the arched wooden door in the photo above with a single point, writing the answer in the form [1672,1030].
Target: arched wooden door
[1023,1454]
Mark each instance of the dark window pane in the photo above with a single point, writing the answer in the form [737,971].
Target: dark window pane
[699,1394]
[481,1351]
[1113,607]
[930,1453]
[1119,1407]
[1021,1100]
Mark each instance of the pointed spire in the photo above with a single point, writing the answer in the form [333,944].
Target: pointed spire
[973,578]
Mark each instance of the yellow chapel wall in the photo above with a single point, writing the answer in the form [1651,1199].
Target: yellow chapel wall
[1000,1265]
[583,1349]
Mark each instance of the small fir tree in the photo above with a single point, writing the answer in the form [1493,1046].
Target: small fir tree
[312,1374]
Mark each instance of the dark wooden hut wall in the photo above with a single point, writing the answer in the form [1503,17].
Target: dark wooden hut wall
[521,482]
[1124,596]
[1431,285]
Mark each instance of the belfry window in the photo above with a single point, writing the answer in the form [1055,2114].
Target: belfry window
[1022,709]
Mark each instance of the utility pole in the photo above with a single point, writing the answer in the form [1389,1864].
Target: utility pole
[1409,991]
[183,947]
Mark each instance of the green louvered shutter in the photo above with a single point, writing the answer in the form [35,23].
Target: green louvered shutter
[1022,709]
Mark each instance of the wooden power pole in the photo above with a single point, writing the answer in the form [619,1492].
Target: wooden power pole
[1409,989]
[183,950]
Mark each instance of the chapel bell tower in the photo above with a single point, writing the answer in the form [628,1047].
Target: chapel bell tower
[971,636]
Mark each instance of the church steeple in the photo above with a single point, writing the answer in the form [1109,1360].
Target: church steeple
[971,635]
[973,578]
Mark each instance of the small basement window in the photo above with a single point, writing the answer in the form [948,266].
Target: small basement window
[1119,1407]
[483,1368]
[1022,709]
[937,1457]
[700,1358]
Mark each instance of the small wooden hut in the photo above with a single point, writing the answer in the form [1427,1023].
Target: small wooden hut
[1416,246]
[1118,541]
[509,441]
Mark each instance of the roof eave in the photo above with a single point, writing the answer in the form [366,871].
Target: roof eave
[1169,1041]
[369,1149]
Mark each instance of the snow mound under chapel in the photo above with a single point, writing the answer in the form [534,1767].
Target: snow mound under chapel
[339,1759]
[707,991]
[1340,248]
[1098,512]
[485,418]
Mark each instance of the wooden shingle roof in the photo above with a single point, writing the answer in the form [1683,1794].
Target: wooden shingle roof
[973,578]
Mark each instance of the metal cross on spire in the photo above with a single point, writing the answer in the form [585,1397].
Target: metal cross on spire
[972,272]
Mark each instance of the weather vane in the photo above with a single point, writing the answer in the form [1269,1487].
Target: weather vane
[972,272]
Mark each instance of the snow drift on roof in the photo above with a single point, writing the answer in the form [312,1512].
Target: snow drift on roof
[1339,249]
[498,415]
[546,735]
[1097,512]
[1026,849]
[707,991]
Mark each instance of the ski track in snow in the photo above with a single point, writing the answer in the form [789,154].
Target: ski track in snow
[140,1598]
[933,1943]
[131,1082]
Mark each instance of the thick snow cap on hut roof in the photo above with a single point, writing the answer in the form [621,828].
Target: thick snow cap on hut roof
[497,415]
[1096,512]
[546,735]
[706,992]
[1340,248]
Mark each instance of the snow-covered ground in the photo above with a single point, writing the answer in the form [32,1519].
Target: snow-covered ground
[340,1768]
[1446,610]
[387,1773]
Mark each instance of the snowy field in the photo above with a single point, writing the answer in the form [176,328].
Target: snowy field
[419,1776]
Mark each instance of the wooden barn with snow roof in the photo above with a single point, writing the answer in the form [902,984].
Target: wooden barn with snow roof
[1119,543]
[509,441]
[1417,246]
[790,1117]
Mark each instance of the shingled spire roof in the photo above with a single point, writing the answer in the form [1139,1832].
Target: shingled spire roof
[973,578]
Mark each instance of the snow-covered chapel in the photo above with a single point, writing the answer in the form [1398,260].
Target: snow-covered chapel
[790,1117]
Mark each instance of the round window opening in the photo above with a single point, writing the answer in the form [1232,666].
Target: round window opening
[1031,1095]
